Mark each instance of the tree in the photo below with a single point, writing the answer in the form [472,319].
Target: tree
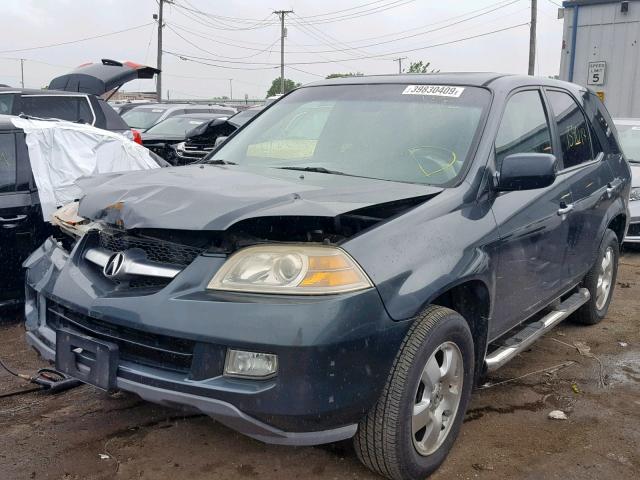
[275,86]
[420,67]
[343,75]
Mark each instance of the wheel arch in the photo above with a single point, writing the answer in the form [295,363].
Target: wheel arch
[619,226]
[470,298]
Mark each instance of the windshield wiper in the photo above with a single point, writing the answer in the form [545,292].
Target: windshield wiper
[633,160]
[314,169]
[218,162]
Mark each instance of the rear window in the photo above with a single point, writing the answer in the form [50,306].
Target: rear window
[143,118]
[73,109]
[6,103]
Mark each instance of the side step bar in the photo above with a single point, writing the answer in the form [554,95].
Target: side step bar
[522,339]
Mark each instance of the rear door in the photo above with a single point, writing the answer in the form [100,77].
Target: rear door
[18,216]
[588,173]
[532,250]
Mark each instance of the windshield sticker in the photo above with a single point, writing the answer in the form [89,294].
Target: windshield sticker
[434,90]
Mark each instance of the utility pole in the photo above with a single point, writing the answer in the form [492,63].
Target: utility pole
[399,60]
[231,89]
[22,72]
[159,61]
[283,33]
[532,37]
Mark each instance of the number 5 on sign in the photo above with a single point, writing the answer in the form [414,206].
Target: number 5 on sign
[596,73]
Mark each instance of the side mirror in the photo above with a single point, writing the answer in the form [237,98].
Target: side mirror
[220,141]
[526,171]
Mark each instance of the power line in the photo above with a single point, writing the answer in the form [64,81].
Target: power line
[387,54]
[363,13]
[258,50]
[76,41]
[194,59]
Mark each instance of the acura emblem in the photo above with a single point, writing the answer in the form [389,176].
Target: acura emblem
[114,265]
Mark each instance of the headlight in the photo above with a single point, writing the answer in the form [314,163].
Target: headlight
[290,269]
[635,194]
[69,221]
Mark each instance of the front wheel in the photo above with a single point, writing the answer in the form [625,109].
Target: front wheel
[412,427]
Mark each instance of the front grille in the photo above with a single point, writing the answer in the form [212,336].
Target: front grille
[634,230]
[156,250]
[160,351]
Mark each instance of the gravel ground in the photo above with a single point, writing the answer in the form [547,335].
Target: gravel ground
[87,434]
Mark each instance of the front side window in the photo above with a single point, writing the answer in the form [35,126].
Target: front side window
[390,132]
[573,129]
[6,103]
[7,162]
[524,127]
[73,109]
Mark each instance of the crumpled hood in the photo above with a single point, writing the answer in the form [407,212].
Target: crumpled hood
[208,197]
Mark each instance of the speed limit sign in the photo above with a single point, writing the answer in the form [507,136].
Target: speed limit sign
[597,72]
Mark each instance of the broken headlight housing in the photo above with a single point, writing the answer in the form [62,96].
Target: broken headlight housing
[290,270]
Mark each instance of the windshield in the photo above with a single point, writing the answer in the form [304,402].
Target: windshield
[629,135]
[142,118]
[417,134]
[239,119]
[176,126]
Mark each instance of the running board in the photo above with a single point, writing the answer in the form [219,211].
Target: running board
[522,339]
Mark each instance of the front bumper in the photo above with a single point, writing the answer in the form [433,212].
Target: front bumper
[334,352]
[633,233]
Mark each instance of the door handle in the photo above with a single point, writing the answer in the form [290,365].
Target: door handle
[563,210]
[17,218]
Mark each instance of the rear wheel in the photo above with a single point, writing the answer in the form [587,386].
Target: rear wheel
[600,281]
[410,430]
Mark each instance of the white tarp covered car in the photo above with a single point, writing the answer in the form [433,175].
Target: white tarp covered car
[62,152]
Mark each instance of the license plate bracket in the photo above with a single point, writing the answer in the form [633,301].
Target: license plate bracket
[88,359]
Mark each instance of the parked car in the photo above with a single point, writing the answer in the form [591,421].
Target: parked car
[629,135]
[162,136]
[39,162]
[76,96]
[203,139]
[348,264]
[146,116]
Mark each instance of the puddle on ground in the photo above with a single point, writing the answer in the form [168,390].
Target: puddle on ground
[623,368]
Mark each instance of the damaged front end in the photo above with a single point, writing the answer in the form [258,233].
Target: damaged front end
[229,310]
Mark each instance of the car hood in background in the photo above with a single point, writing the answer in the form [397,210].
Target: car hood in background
[211,197]
[100,78]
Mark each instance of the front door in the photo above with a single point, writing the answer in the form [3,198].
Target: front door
[531,253]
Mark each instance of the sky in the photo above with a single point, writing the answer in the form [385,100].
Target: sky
[239,39]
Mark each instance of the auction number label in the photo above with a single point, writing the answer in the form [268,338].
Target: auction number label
[434,90]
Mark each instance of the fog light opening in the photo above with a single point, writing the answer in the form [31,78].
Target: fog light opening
[255,365]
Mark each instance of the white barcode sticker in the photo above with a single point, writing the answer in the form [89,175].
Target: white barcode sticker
[434,90]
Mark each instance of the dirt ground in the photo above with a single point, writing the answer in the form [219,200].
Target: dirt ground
[87,434]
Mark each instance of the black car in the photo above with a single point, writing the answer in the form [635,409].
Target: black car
[145,116]
[162,136]
[77,96]
[348,264]
[203,139]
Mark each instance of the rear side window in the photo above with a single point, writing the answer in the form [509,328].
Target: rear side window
[73,109]
[7,162]
[524,127]
[113,120]
[573,129]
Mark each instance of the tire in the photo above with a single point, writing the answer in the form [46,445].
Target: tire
[385,441]
[596,309]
